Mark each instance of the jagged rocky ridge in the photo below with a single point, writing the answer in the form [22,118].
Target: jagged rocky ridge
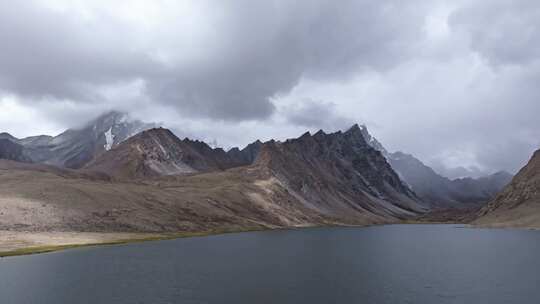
[330,171]
[339,171]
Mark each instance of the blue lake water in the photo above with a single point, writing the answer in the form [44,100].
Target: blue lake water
[384,264]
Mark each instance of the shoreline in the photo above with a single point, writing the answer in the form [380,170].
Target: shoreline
[149,237]
[109,239]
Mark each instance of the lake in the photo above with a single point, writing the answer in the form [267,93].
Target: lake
[383,264]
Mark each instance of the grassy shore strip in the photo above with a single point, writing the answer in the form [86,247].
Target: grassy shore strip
[157,237]
[178,235]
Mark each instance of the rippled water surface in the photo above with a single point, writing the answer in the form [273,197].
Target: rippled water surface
[384,264]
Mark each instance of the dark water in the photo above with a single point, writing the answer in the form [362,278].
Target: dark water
[386,264]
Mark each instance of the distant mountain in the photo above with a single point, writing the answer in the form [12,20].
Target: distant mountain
[518,205]
[11,150]
[438,191]
[459,172]
[74,148]
[341,173]
[158,152]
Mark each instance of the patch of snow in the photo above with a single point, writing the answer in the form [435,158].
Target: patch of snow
[161,148]
[109,139]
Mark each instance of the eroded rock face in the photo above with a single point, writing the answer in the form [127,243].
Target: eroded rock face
[339,171]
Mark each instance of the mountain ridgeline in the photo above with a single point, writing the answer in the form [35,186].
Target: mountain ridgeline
[330,173]
[120,174]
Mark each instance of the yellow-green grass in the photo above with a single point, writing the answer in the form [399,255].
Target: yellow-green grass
[157,237]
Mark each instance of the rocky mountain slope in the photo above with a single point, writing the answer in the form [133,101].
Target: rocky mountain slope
[158,152]
[436,190]
[41,198]
[339,172]
[318,179]
[129,176]
[74,148]
[518,205]
[246,155]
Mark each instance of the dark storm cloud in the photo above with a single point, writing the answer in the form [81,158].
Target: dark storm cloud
[260,49]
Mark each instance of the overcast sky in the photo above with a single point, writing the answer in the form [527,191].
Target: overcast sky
[456,83]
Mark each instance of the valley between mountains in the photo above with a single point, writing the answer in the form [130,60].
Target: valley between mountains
[118,179]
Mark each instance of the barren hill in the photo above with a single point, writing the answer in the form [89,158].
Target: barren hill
[518,205]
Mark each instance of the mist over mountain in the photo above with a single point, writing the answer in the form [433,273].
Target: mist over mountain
[439,191]
[76,147]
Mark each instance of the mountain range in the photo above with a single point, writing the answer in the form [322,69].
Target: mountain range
[120,174]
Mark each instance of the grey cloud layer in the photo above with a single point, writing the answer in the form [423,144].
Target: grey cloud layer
[453,87]
[504,32]
[261,49]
